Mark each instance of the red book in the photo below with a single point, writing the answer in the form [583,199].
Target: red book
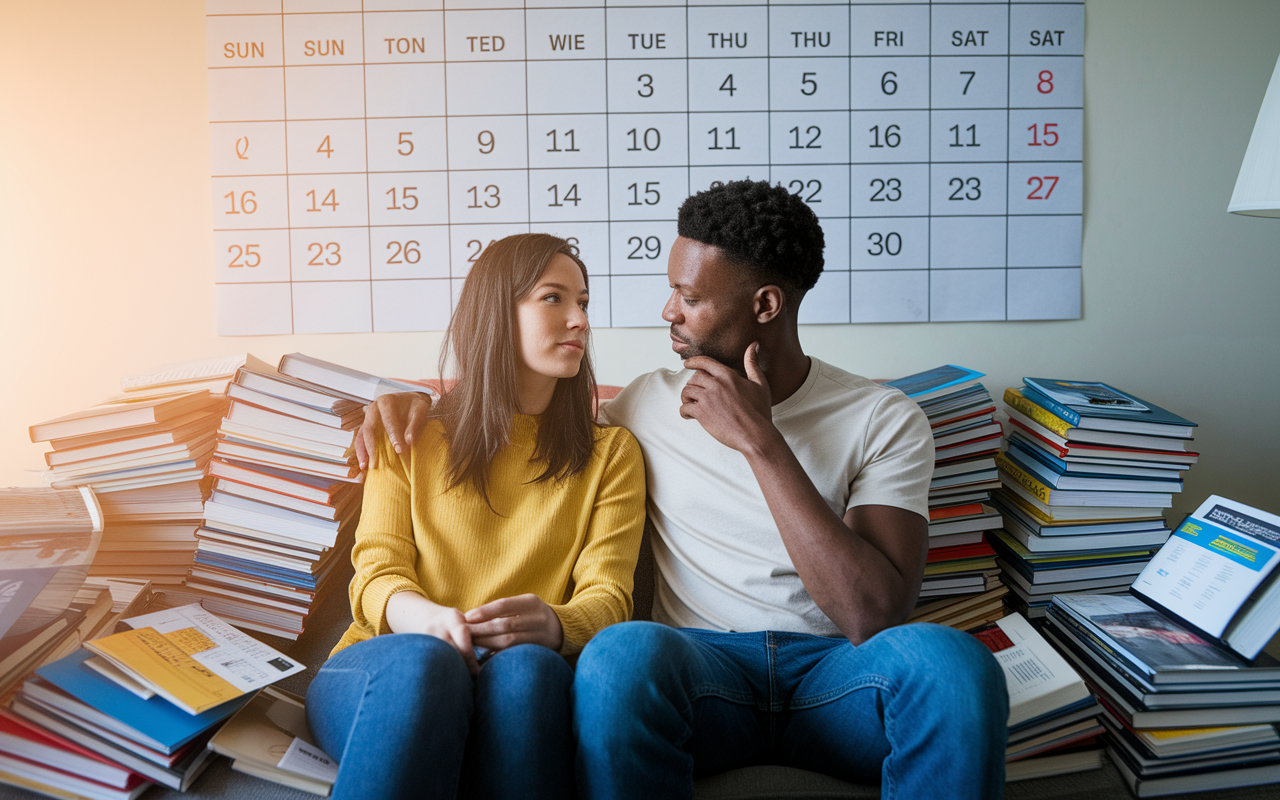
[25,739]
[960,551]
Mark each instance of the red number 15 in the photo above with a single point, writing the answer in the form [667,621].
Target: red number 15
[1046,132]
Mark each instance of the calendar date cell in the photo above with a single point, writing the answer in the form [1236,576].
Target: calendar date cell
[577,140]
[404,90]
[322,201]
[482,89]
[741,138]
[889,83]
[251,256]
[247,148]
[881,137]
[1046,82]
[968,189]
[1046,188]
[641,248]
[638,86]
[638,140]
[891,190]
[409,251]
[250,202]
[488,143]
[647,193]
[408,198]
[889,243]
[1051,134]
[565,195]
[970,82]
[969,136]
[406,145]
[333,254]
[729,84]
[703,178]
[809,137]
[802,84]
[326,146]
[824,189]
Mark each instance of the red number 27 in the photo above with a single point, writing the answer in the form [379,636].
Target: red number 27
[1050,181]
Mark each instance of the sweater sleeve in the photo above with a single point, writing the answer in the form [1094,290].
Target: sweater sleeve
[605,568]
[385,553]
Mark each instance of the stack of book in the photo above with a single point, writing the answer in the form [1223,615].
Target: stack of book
[285,498]
[1087,473]
[1189,696]
[145,458]
[133,708]
[1053,720]
[961,566]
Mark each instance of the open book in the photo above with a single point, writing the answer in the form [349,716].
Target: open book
[1217,575]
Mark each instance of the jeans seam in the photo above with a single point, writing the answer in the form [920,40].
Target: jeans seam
[875,681]
[355,719]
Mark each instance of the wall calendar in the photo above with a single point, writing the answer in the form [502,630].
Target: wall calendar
[365,153]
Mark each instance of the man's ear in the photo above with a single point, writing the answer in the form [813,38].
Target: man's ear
[768,303]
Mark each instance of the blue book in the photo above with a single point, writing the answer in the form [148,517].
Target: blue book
[1034,459]
[1089,483]
[164,726]
[935,381]
[256,569]
[1127,414]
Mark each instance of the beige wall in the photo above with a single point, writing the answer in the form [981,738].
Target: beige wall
[105,234]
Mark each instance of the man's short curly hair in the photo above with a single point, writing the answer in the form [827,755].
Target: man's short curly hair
[762,228]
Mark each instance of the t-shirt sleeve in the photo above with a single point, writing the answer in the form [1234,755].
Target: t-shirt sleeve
[897,462]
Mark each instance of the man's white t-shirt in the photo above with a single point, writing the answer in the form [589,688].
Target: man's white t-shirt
[721,563]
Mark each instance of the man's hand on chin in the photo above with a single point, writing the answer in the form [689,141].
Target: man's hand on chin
[737,411]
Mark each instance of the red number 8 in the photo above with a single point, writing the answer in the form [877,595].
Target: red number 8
[1046,77]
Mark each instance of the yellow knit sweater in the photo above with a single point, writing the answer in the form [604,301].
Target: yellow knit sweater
[573,543]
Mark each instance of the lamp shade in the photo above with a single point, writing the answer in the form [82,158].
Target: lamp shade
[1258,185]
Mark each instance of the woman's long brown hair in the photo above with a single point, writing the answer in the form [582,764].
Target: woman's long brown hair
[482,340]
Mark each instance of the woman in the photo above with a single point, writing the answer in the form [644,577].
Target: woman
[511,524]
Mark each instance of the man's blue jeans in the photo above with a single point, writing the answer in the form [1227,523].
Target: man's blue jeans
[920,709]
[404,718]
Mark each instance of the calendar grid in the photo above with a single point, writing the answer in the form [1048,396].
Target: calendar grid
[939,144]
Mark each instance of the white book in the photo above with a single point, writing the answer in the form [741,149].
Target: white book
[252,514]
[1039,680]
[1216,574]
[344,379]
[183,372]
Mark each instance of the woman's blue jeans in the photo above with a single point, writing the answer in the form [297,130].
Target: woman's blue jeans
[920,709]
[404,718]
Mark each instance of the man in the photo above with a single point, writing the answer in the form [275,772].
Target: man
[790,504]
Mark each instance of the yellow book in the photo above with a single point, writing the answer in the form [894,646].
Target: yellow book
[192,658]
[1015,399]
[1024,479]
[164,661]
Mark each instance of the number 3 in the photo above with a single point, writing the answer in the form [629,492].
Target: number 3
[646,82]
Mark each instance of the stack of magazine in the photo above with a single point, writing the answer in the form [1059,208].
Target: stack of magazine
[1188,693]
[144,454]
[1053,720]
[286,494]
[1087,473]
[961,588]
[133,708]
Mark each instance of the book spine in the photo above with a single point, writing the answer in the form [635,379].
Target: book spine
[1024,479]
[1030,394]
[1037,413]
